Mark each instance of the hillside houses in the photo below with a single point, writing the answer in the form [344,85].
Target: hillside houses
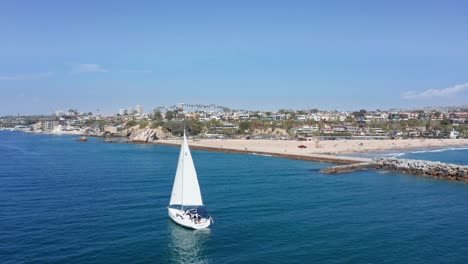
[300,123]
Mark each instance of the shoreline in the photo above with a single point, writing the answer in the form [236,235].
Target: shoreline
[316,158]
[333,151]
[331,147]
[338,152]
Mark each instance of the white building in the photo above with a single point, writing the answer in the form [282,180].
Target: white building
[139,109]
[130,111]
[244,116]
[301,117]
[307,129]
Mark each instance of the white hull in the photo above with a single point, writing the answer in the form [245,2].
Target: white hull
[182,219]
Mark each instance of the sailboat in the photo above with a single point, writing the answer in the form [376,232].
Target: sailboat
[186,205]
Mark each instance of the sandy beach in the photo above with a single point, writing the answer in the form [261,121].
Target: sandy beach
[330,147]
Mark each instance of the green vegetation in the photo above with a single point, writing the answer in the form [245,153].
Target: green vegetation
[244,127]
[170,115]
[192,127]
[130,123]
[157,115]
[359,114]
[143,124]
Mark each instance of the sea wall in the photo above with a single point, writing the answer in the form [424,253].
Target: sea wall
[308,157]
[423,168]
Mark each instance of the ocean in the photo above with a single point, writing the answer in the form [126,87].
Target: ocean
[63,201]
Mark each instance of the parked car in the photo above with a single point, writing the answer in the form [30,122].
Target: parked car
[302,146]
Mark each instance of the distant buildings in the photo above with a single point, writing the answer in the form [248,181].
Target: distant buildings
[304,124]
[132,111]
[139,109]
[49,125]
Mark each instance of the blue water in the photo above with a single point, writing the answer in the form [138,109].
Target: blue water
[67,202]
[456,155]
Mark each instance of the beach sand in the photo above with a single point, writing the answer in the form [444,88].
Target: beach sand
[325,147]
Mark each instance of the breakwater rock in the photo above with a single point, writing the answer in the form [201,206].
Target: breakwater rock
[348,168]
[426,168]
[116,140]
[423,168]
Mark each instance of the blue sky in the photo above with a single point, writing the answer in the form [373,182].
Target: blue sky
[266,55]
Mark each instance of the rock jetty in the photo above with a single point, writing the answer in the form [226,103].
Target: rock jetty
[439,170]
[348,168]
[426,168]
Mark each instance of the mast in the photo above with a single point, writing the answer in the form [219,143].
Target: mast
[183,150]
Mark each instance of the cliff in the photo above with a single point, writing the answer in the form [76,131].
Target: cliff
[147,135]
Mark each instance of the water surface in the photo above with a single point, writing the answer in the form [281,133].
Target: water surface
[67,202]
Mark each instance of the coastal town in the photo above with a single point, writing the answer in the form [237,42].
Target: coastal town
[234,132]
[212,121]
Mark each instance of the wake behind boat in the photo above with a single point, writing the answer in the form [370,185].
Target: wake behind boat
[186,205]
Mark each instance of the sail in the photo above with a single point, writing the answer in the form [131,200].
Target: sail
[186,190]
[176,197]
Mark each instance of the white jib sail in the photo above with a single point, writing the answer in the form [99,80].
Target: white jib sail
[186,190]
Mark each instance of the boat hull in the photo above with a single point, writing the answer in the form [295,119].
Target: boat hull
[179,217]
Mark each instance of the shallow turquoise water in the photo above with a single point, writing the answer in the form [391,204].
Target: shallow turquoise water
[67,202]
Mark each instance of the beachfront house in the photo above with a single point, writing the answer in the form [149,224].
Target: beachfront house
[244,116]
[307,130]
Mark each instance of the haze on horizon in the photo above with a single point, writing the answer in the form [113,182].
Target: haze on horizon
[245,54]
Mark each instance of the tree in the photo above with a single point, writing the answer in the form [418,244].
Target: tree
[360,114]
[244,126]
[445,122]
[29,121]
[428,125]
[403,125]
[170,115]
[174,127]
[214,123]
[157,116]
[194,127]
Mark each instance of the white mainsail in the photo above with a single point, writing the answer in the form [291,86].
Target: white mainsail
[186,190]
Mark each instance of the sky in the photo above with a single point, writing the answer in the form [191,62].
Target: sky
[101,56]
